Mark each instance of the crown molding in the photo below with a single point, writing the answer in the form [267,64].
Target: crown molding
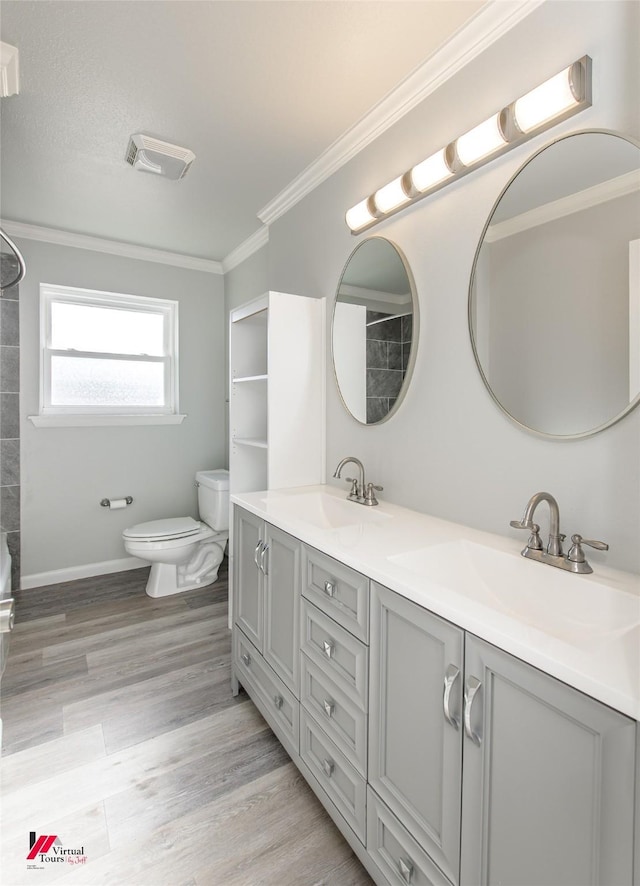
[9,70]
[247,248]
[111,247]
[493,20]
[620,186]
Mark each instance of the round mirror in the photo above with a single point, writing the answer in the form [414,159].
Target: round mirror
[374,330]
[554,301]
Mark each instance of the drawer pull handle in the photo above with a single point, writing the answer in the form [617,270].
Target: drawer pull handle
[255,553]
[330,588]
[278,701]
[246,658]
[329,707]
[472,688]
[406,870]
[450,677]
[328,766]
[328,647]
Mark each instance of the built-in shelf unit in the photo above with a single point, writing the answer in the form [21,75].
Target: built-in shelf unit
[276,397]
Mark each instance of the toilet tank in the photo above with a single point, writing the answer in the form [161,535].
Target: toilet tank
[213,498]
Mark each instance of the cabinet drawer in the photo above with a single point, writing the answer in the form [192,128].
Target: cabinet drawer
[343,721]
[337,652]
[343,785]
[394,850]
[339,591]
[276,703]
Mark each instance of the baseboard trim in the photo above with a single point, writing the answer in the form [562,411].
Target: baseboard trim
[87,570]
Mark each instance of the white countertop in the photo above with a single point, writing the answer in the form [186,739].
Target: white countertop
[582,629]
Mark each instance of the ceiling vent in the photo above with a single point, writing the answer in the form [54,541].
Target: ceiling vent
[151,155]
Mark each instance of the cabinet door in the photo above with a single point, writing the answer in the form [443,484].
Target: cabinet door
[548,780]
[247,577]
[282,605]
[415,752]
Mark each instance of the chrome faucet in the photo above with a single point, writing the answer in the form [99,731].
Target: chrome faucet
[575,560]
[554,546]
[361,492]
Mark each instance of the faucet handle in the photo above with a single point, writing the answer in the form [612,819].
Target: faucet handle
[535,542]
[369,496]
[576,554]
[521,524]
[355,490]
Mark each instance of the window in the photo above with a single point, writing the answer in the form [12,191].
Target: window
[107,358]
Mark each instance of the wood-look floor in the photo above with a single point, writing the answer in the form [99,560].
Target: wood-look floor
[121,736]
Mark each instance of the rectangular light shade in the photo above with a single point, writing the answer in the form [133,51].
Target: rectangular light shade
[555,100]
[480,141]
[359,215]
[391,196]
[430,172]
[547,100]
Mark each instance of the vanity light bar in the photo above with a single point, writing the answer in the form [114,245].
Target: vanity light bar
[558,98]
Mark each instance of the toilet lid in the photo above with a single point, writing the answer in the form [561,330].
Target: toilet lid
[173,527]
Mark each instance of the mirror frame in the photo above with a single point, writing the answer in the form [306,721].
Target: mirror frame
[543,434]
[414,332]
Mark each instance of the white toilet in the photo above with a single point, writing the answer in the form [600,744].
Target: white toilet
[184,553]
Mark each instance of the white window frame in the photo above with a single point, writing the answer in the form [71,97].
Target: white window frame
[50,415]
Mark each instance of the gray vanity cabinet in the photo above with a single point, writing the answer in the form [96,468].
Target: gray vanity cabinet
[442,759]
[534,780]
[548,787]
[415,750]
[267,580]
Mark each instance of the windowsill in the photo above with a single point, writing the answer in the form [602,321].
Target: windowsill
[98,421]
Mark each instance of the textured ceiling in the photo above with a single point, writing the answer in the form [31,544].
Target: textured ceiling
[258,90]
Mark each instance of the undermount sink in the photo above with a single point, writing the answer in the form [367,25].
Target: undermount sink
[567,606]
[324,511]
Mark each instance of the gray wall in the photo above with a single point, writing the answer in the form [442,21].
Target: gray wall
[66,471]
[248,280]
[449,450]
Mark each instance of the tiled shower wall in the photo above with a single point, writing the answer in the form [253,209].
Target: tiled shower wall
[10,420]
[388,346]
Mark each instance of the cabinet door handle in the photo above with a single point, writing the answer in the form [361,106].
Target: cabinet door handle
[471,690]
[330,588]
[255,553]
[7,615]
[406,870]
[265,548]
[451,675]
[246,658]
[328,766]
[328,647]
[278,701]
[329,707]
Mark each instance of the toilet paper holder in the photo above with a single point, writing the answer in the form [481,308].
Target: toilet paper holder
[106,502]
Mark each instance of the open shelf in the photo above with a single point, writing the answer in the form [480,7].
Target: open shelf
[250,441]
[248,378]
[276,392]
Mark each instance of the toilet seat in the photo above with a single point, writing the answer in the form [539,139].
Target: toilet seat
[171,529]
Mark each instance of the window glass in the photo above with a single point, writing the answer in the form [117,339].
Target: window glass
[104,353]
[105,329]
[82,381]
